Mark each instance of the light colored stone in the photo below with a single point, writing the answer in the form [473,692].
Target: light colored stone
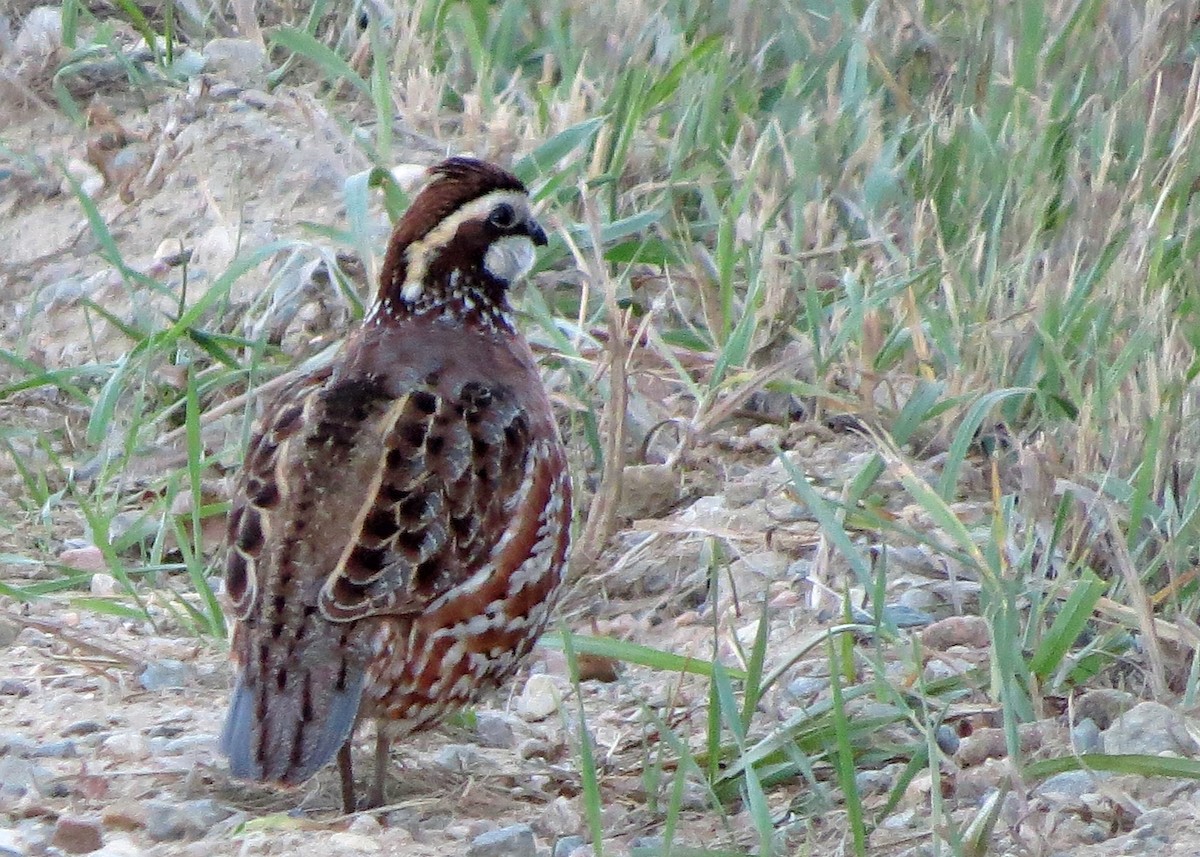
[347,841]
[41,33]
[539,698]
[103,585]
[89,179]
[238,60]
[513,841]
[130,746]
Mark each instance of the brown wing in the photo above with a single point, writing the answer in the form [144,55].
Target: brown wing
[451,476]
[300,678]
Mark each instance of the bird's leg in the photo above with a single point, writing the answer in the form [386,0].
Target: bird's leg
[383,740]
[347,771]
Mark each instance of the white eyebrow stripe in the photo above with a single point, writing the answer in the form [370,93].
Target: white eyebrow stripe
[418,254]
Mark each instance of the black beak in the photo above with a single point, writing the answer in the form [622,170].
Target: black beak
[536,234]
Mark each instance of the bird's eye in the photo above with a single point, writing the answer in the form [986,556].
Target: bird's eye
[503,216]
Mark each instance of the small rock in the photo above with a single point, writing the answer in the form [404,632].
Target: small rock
[239,60]
[82,727]
[89,558]
[947,739]
[64,749]
[12,687]
[558,819]
[1104,705]
[513,841]
[180,746]
[77,835]
[257,99]
[806,687]
[118,846]
[1072,784]
[459,757]
[126,745]
[11,844]
[873,782]
[1086,737]
[648,491]
[365,825]
[12,744]
[41,34]
[189,820]
[20,776]
[357,842]
[743,492]
[539,698]
[1151,728]
[643,844]
[163,674]
[969,631]
[537,748]
[103,585]
[91,182]
[494,730]
[125,814]
[567,846]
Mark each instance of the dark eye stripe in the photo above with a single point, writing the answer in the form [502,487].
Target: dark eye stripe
[503,216]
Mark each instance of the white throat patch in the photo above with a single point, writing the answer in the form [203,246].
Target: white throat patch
[509,258]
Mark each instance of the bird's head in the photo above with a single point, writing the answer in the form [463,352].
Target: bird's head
[467,236]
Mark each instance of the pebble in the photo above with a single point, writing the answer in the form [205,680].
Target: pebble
[187,744]
[947,739]
[10,843]
[648,491]
[12,687]
[165,673]
[242,61]
[1151,728]
[806,687]
[126,745]
[1072,784]
[559,818]
[969,631]
[103,585]
[64,749]
[567,846]
[19,776]
[77,835]
[1085,735]
[41,33]
[513,841]
[460,757]
[257,99]
[13,744]
[189,820]
[365,825]
[82,727]
[539,698]
[88,558]
[494,730]
[347,841]
[873,782]
[118,846]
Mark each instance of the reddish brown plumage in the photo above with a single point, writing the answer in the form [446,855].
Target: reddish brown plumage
[401,522]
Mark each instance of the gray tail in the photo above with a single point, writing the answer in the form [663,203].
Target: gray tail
[285,724]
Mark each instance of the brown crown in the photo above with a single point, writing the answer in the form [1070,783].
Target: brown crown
[454,183]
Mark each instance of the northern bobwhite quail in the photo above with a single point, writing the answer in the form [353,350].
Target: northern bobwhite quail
[399,530]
